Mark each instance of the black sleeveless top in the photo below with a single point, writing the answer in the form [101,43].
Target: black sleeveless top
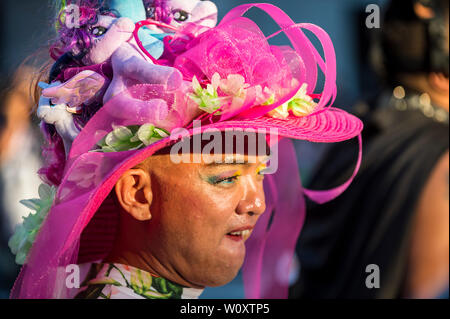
[371,222]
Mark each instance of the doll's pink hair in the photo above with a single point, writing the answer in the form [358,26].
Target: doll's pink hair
[163,12]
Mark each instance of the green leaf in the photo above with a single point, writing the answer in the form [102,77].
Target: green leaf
[31,222]
[102,142]
[120,134]
[31,203]
[150,294]
[108,149]
[162,133]
[15,241]
[25,234]
[160,285]
[176,290]
[145,133]
[130,138]
[45,191]
[92,292]
[139,146]
[104,281]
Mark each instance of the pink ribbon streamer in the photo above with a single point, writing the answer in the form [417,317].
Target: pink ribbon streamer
[264,255]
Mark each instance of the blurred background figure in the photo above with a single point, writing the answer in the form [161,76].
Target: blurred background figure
[387,236]
[19,161]
[25,30]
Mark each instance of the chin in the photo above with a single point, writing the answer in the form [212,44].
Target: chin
[227,274]
[222,278]
[221,274]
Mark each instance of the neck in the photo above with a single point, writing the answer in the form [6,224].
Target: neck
[440,101]
[439,96]
[128,251]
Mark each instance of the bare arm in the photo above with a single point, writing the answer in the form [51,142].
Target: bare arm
[429,255]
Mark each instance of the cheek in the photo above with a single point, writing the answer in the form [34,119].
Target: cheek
[205,209]
[210,202]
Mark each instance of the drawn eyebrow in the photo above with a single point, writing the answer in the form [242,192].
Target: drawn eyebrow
[227,164]
[237,161]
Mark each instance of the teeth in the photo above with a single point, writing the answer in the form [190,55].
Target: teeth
[242,233]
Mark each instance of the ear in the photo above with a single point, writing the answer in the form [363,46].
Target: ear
[134,193]
[79,90]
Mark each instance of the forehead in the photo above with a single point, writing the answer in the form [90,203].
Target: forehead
[209,160]
[105,21]
[187,5]
[198,151]
[218,160]
[164,165]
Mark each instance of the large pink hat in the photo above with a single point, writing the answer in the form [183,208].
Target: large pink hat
[232,78]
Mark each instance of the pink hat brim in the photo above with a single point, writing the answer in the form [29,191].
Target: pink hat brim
[329,126]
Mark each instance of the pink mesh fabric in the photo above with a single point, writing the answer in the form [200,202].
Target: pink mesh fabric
[236,46]
[286,211]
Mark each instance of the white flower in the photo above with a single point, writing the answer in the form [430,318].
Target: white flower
[207,99]
[130,138]
[281,112]
[234,85]
[300,105]
[149,134]
[233,89]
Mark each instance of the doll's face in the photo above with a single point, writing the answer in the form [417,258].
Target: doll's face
[185,11]
[202,214]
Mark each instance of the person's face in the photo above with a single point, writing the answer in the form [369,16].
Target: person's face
[202,215]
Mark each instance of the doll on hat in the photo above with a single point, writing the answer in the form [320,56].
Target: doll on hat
[111,41]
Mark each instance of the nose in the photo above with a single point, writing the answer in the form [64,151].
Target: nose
[253,201]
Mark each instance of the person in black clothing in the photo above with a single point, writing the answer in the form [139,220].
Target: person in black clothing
[387,236]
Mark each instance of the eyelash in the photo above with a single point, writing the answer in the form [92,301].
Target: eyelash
[100,31]
[180,15]
[229,180]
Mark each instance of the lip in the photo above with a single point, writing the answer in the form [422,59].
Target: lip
[235,238]
[249,227]
[240,238]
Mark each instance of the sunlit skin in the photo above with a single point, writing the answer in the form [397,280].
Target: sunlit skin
[177,218]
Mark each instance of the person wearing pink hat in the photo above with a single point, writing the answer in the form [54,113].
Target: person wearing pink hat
[128,209]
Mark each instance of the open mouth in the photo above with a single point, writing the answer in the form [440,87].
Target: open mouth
[239,235]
